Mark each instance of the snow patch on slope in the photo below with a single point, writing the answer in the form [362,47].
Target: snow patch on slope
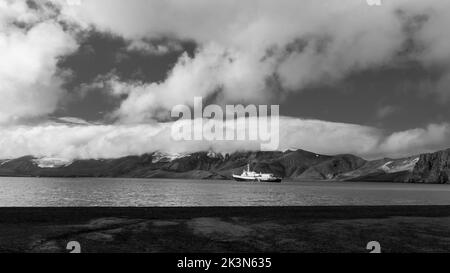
[166,157]
[386,167]
[52,162]
[400,166]
[3,162]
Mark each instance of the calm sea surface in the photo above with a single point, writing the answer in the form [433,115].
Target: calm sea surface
[170,192]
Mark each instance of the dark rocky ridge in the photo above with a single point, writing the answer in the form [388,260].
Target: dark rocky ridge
[432,168]
[293,165]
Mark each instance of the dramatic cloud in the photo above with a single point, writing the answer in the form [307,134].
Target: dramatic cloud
[253,50]
[212,70]
[29,83]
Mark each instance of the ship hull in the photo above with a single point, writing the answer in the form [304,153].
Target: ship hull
[255,179]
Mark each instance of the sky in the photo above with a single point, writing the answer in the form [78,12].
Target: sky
[98,78]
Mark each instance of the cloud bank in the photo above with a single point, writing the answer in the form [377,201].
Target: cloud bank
[71,141]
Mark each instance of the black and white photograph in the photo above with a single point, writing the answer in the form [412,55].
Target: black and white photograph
[230,127]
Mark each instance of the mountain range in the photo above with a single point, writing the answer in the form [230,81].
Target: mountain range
[290,164]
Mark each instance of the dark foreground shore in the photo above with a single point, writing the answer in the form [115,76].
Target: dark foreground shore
[226,229]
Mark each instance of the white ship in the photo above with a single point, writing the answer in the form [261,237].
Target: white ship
[248,175]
